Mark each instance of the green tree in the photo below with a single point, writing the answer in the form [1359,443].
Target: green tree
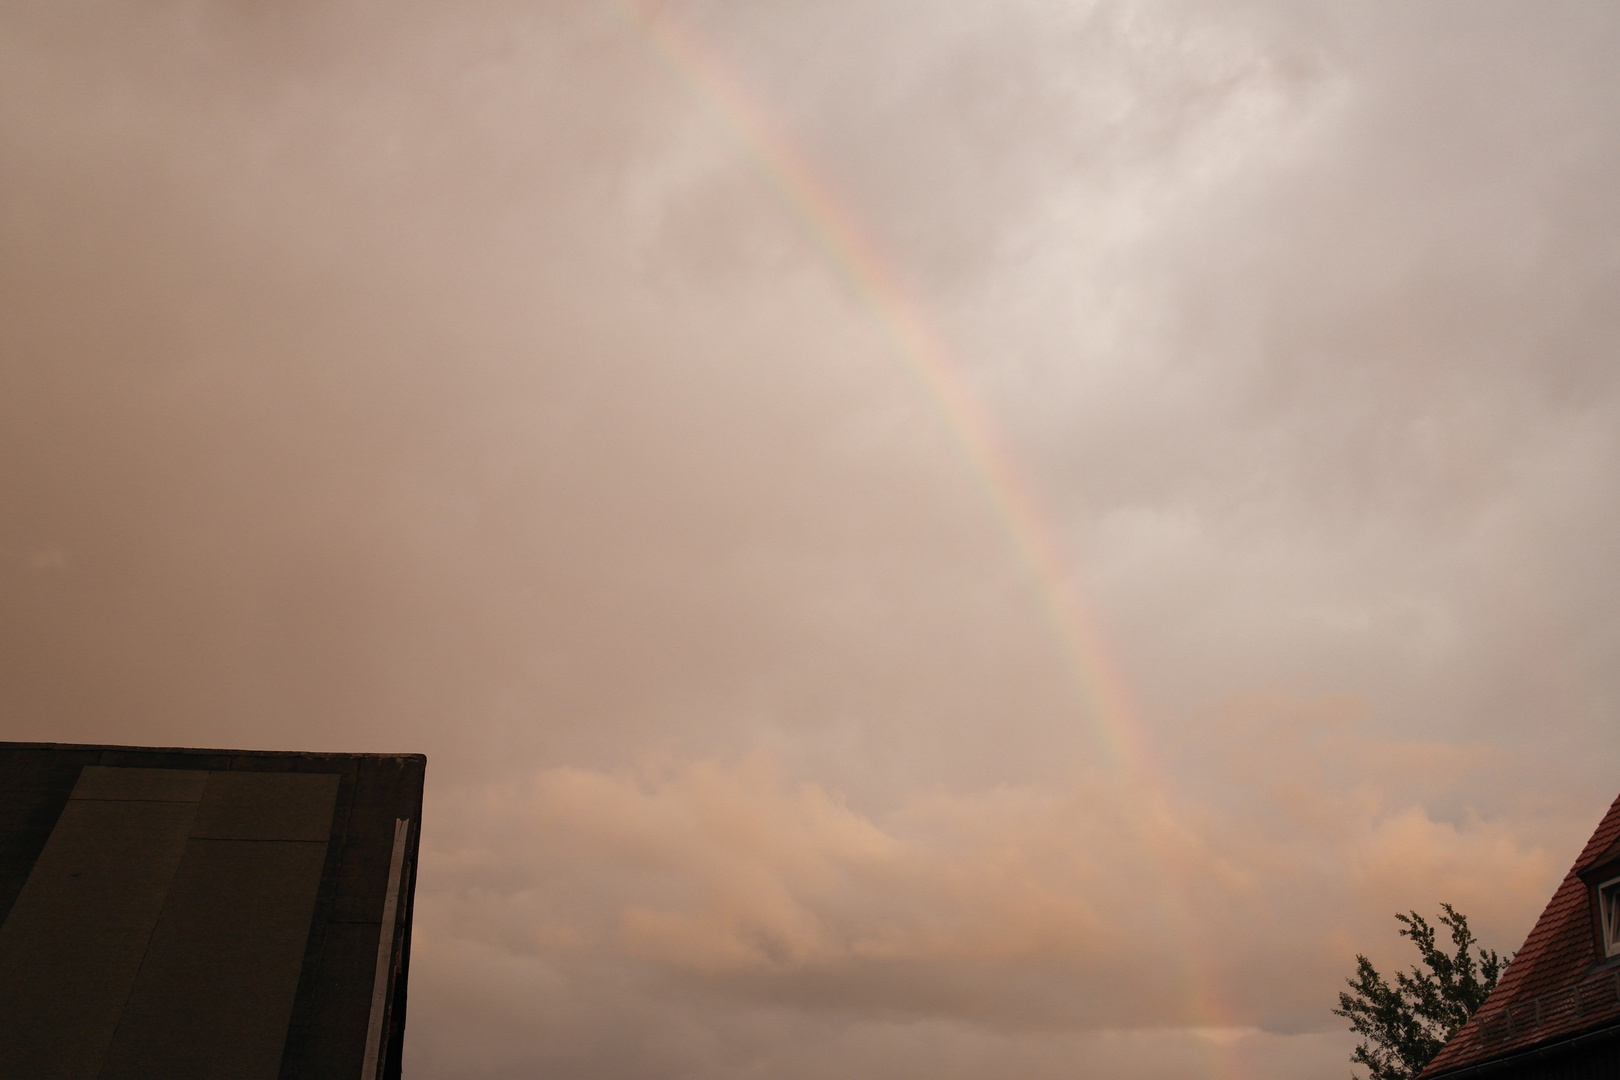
[1404,1025]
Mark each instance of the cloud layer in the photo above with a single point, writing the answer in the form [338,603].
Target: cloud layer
[459,380]
[1082,908]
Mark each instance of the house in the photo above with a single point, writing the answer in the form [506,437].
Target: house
[170,914]
[1556,1013]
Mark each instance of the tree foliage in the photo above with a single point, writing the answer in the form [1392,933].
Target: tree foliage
[1405,1024]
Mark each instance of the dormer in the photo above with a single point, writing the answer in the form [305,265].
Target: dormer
[1602,879]
[1609,915]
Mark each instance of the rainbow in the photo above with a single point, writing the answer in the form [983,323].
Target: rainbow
[829,223]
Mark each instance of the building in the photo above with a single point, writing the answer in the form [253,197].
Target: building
[1556,1013]
[218,914]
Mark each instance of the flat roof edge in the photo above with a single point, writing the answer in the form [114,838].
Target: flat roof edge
[206,750]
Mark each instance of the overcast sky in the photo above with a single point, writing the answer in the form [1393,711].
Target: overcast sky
[471,379]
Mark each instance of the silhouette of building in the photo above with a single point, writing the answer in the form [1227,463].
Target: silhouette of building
[1556,1013]
[170,914]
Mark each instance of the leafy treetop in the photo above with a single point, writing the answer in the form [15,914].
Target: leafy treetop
[1404,1025]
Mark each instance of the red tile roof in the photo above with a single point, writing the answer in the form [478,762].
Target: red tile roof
[1558,985]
